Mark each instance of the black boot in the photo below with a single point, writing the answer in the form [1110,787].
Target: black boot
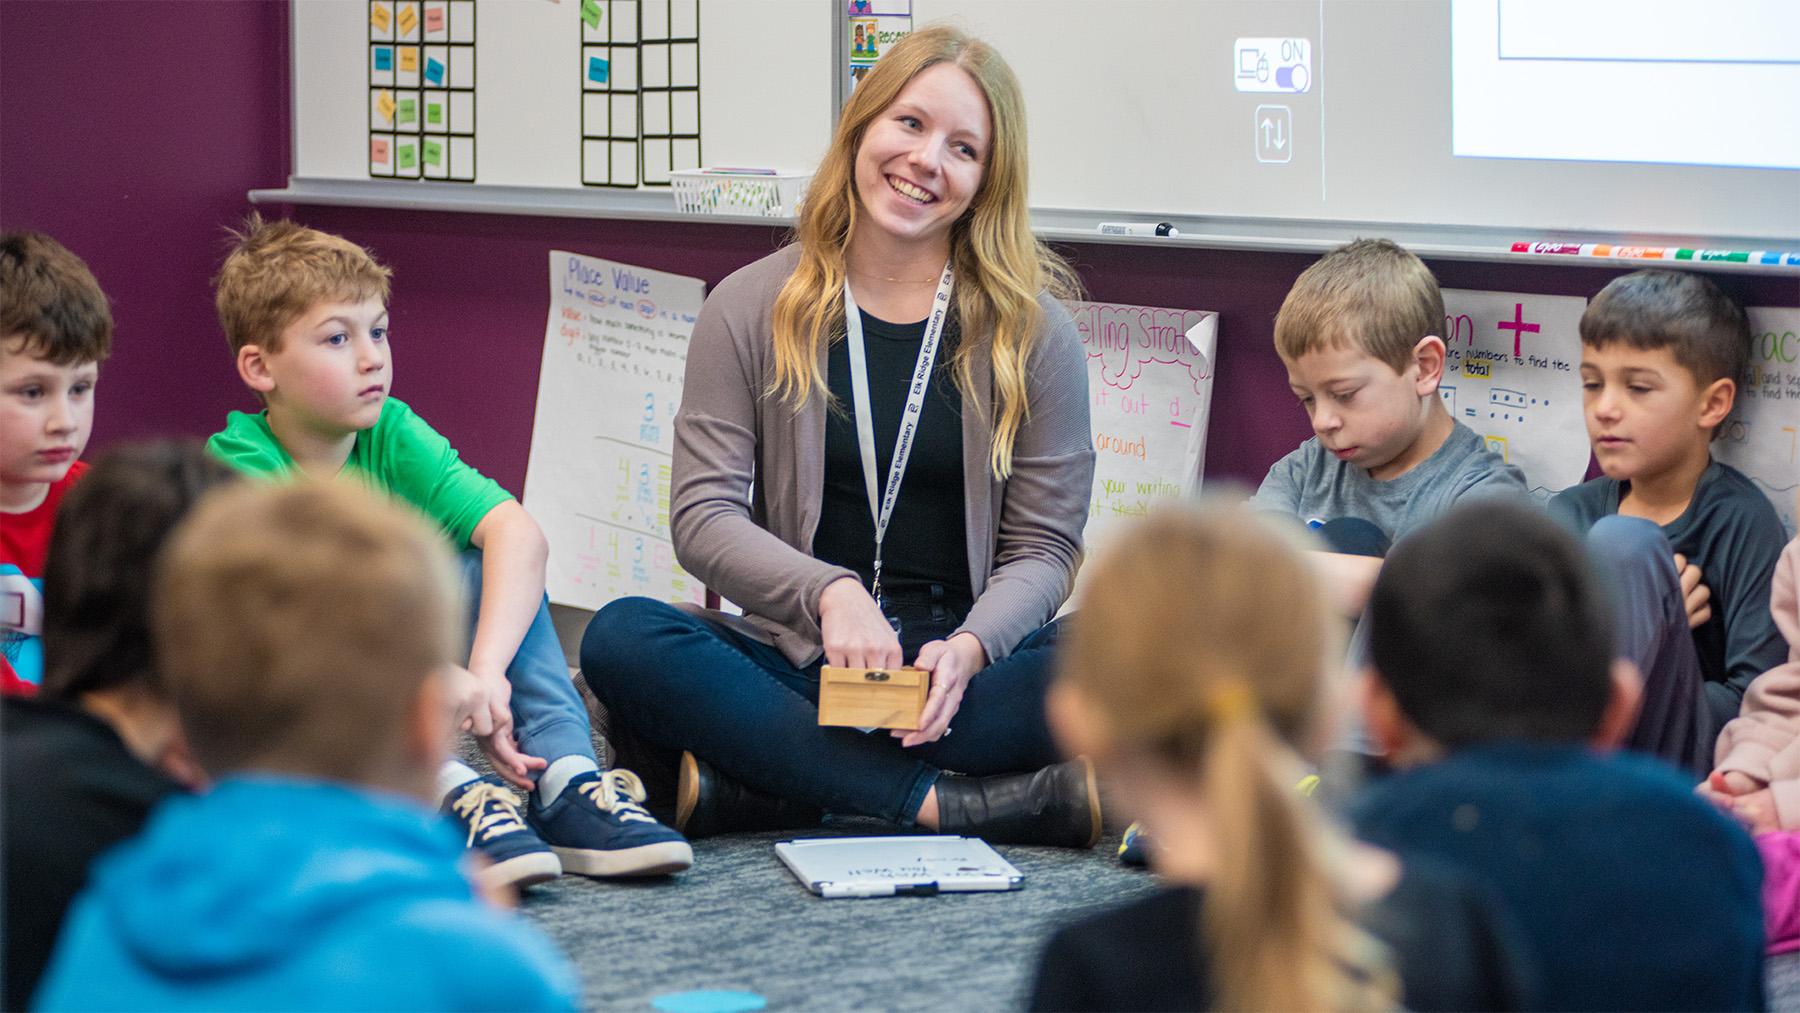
[1058,806]
[707,803]
[654,765]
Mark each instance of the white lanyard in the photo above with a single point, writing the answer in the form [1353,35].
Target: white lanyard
[881,507]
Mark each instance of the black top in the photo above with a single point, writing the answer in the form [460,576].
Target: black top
[926,555]
[1450,948]
[71,790]
[1731,532]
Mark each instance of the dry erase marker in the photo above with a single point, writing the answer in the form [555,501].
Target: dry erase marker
[1573,249]
[1138,229]
[1785,258]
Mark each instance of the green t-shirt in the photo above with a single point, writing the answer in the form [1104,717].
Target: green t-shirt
[399,455]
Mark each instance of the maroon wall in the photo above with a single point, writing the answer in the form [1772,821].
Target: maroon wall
[131,131]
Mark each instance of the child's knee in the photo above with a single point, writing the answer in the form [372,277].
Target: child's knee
[1630,545]
[1354,536]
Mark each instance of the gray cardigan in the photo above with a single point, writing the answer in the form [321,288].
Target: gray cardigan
[749,476]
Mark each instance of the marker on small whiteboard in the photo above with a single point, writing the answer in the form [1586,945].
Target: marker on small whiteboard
[1138,229]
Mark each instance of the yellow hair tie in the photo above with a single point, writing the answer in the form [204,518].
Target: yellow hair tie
[1230,700]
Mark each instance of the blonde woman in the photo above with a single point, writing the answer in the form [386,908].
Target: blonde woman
[883,456]
[1200,704]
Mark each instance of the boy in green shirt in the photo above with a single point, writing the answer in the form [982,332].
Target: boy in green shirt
[306,316]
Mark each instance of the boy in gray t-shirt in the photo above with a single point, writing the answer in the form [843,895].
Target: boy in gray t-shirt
[1358,334]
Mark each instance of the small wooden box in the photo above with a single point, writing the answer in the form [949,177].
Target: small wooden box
[873,697]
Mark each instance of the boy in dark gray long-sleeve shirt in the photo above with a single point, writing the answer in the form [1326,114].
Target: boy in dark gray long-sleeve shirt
[1661,352]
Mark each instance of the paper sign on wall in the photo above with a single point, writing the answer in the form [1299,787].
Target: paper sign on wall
[1511,374]
[1150,377]
[615,348]
[1762,436]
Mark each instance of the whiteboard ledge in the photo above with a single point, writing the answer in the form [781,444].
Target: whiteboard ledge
[1263,235]
[553,202]
[1317,236]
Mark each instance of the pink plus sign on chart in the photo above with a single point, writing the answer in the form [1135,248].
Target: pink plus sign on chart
[1518,326]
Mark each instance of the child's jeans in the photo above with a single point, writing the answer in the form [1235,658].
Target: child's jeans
[1634,558]
[549,719]
[1781,889]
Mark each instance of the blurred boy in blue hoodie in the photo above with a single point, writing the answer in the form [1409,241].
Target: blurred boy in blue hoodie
[304,630]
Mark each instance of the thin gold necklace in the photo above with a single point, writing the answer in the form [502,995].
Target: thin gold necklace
[901,281]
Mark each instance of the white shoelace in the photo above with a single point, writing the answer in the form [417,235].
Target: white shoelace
[618,792]
[503,818]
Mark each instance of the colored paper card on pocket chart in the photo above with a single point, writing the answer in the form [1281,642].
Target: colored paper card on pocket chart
[384,103]
[434,19]
[384,58]
[409,111]
[434,112]
[409,156]
[409,60]
[378,150]
[434,70]
[590,12]
[434,153]
[598,70]
[409,18]
[379,17]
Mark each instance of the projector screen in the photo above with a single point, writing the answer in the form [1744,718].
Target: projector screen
[1686,82]
[1632,118]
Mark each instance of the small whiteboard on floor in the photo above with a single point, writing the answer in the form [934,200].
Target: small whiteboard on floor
[615,350]
[835,867]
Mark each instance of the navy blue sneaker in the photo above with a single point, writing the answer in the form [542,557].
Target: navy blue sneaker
[598,827]
[489,814]
[1134,848]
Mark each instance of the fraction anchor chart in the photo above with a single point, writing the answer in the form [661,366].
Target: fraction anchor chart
[422,89]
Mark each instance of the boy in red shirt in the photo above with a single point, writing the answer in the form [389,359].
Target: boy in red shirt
[55,328]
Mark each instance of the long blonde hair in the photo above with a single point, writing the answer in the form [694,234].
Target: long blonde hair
[1201,645]
[1000,266]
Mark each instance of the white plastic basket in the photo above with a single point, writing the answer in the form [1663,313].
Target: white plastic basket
[732,192]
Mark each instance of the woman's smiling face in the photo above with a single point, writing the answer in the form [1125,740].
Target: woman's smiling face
[922,159]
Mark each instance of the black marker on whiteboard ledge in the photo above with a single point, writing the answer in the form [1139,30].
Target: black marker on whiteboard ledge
[1138,229]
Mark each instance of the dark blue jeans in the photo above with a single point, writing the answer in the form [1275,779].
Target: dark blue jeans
[680,682]
[1634,559]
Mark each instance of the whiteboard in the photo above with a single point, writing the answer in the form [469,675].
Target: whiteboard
[1137,108]
[1132,107]
[764,70]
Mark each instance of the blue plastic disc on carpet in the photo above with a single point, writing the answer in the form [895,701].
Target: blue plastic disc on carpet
[709,1002]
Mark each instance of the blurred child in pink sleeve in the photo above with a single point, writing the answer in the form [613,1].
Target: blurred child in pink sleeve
[1756,774]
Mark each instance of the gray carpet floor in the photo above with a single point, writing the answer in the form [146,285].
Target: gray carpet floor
[739,921]
[1784,982]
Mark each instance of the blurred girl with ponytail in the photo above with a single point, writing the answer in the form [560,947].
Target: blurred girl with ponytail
[1195,675]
